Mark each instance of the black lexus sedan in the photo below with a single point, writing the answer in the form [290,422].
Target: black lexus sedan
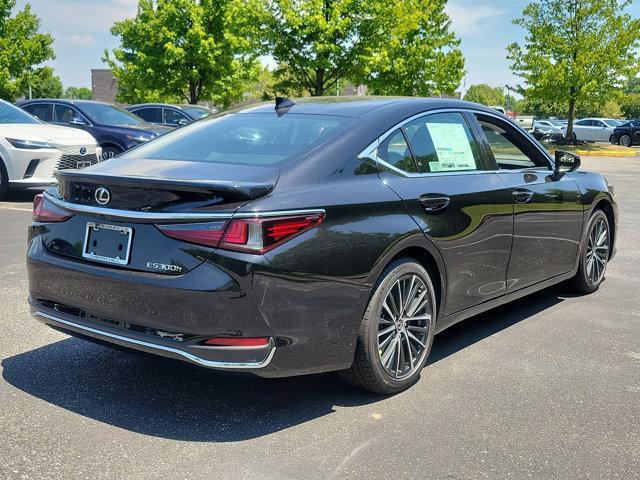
[324,234]
[627,134]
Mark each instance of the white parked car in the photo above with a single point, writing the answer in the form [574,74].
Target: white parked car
[32,151]
[593,129]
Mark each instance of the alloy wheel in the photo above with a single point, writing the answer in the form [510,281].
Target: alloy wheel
[403,326]
[597,251]
[625,140]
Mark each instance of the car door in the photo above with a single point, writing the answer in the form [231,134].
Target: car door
[433,163]
[583,130]
[548,214]
[602,131]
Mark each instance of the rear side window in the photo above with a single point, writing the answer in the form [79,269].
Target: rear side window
[394,150]
[442,142]
[41,111]
[151,115]
[243,138]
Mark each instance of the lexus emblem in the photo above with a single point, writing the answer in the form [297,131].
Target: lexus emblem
[83,151]
[102,195]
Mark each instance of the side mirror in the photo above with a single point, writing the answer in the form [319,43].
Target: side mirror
[565,162]
[77,120]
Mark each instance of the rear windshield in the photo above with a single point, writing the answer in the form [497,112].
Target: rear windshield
[242,138]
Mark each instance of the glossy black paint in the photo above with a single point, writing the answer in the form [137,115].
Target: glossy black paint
[631,129]
[310,293]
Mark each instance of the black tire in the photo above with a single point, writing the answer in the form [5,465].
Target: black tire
[625,140]
[368,371]
[613,140]
[586,280]
[4,181]
[109,151]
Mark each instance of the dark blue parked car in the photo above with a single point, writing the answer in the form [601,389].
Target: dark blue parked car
[115,129]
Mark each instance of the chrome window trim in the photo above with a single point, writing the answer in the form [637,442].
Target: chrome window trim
[162,348]
[166,216]
[369,153]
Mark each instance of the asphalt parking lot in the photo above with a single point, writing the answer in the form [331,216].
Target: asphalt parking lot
[547,387]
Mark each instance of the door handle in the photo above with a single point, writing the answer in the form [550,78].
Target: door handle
[434,202]
[522,196]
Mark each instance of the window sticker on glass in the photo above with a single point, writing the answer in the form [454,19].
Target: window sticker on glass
[452,147]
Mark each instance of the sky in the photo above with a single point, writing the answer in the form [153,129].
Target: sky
[81,29]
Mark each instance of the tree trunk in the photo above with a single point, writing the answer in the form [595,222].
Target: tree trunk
[318,90]
[193,92]
[572,107]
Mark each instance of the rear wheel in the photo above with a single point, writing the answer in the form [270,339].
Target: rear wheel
[625,140]
[4,181]
[594,254]
[395,337]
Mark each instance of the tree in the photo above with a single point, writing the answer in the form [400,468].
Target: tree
[177,50]
[632,85]
[79,93]
[631,106]
[395,47]
[43,82]
[575,51]
[418,54]
[485,94]
[22,48]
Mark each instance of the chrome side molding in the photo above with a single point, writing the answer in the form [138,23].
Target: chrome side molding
[152,347]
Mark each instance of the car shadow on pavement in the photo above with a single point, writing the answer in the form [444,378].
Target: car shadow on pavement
[22,196]
[170,399]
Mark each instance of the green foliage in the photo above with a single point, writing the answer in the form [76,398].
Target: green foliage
[631,106]
[402,48]
[485,94]
[575,52]
[632,85]
[268,87]
[417,53]
[78,93]
[176,50]
[22,48]
[44,84]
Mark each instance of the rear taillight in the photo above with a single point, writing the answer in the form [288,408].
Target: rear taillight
[252,235]
[208,234]
[47,213]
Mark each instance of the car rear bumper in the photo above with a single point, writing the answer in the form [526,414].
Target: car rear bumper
[227,358]
[148,312]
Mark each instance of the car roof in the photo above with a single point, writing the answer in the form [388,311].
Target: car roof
[71,101]
[357,106]
[173,105]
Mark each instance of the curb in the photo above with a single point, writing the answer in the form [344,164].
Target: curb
[606,153]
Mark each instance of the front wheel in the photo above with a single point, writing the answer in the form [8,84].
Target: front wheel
[110,152]
[594,254]
[396,333]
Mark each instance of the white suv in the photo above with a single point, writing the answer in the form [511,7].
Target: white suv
[32,151]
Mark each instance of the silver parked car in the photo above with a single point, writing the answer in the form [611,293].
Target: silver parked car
[593,129]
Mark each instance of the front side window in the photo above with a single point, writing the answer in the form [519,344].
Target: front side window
[173,117]
[442,142]
[243,138]
[509,147]
[584,123]
[64,113]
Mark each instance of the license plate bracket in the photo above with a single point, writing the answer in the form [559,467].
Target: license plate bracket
[107,243]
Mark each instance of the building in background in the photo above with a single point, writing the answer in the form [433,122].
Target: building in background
[104,85]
